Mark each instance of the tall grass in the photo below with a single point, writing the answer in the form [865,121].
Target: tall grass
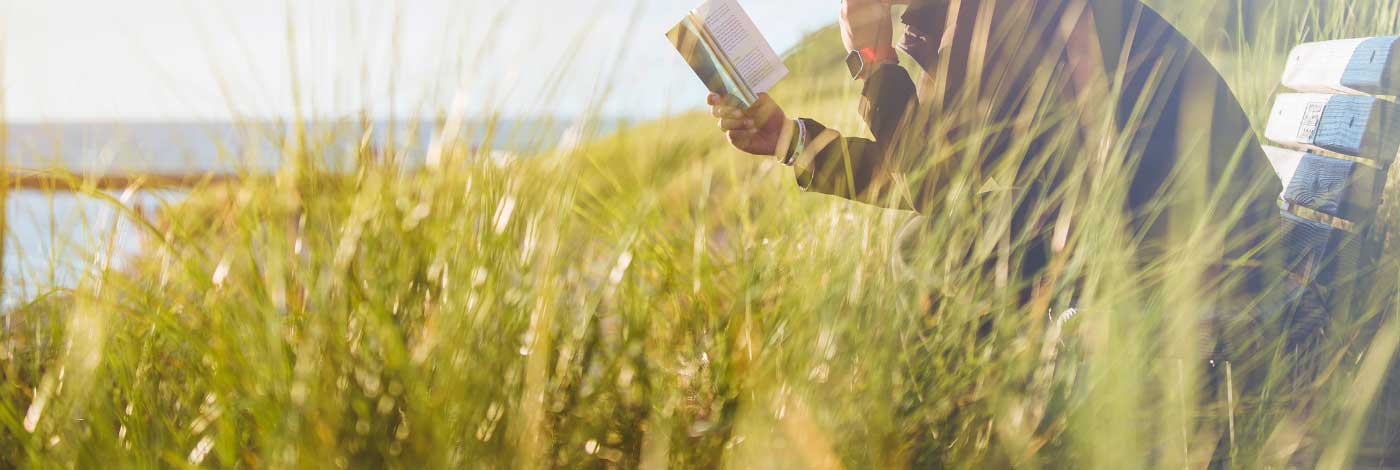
[652,299]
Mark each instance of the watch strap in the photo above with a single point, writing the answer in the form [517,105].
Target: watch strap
[799,142]
[878,55]
[873,57]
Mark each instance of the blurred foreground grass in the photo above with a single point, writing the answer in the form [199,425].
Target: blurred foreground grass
[646,299]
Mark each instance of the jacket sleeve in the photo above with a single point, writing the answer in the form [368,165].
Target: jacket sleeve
[861,169]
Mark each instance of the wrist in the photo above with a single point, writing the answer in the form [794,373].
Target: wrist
[798,142]
[795,141]
[787,137]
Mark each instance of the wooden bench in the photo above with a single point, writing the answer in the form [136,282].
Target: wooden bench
[1336,135]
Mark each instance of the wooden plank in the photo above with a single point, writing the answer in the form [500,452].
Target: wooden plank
[1358,126]
[1336,187]
[1285,162]
[1362,66]
[1320,252]
[62,182]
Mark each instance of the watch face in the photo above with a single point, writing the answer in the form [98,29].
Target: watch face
[855,63]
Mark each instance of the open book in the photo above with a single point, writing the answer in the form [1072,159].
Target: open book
[723,46]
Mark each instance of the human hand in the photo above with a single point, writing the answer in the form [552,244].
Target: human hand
[755,130]
[867,24]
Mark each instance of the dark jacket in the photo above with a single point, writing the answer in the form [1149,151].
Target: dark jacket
[995,73]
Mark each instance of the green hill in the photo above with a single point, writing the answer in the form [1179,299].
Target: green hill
[649,299]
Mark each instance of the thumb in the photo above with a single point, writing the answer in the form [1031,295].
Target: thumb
[763,109]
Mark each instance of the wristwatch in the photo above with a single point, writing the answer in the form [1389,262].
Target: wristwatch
[863,61]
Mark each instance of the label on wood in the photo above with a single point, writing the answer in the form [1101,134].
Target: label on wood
[1350,66]
[1358,126]
[1295,117]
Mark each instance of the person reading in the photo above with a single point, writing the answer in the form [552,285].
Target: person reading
[1023,87]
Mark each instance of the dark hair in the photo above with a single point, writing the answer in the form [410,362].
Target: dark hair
[927,3]
[929,14]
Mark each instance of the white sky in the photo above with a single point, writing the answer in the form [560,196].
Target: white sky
[68,60]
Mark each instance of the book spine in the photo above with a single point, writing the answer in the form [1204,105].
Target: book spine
[726,63]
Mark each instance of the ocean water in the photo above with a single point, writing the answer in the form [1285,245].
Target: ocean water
[54,237]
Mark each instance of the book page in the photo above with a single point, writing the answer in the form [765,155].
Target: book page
[754,59]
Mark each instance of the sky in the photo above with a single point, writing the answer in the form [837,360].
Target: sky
[151,60]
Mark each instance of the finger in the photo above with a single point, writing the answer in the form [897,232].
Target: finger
[761,109]
[714,99]
[736,124]
[723,111]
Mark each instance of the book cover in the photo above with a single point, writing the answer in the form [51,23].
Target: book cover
[722,45]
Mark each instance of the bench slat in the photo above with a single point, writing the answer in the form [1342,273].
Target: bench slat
[1333,114]
[1359,126]
[1363,66]
[1336,187]
[1320,252]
